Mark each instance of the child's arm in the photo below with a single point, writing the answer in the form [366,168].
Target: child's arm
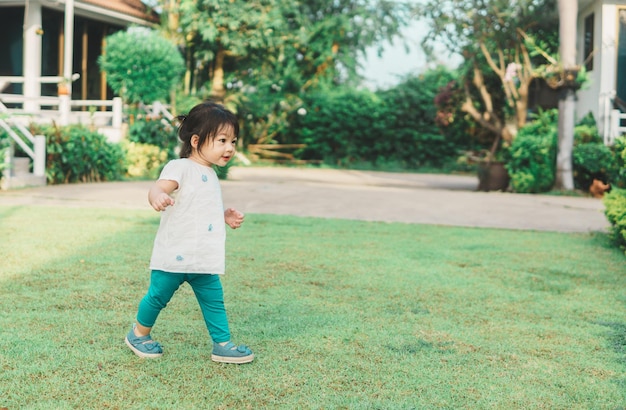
[233,218]
[159,195]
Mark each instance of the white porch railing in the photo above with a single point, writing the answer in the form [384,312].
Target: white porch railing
[617,127]
[157,108]
[33,145]
[101,113]
[613,120]
[62,108]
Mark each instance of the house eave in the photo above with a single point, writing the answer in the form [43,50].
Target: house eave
[98,13]
[88,10]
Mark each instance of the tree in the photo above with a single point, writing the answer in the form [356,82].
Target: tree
[332,35]
[568,10]
[313,40]
[260,56]
[217,29]
[141,65]
[494,36]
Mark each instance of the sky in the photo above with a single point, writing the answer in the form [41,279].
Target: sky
[396,63]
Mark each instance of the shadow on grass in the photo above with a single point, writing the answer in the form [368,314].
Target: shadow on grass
[617,338]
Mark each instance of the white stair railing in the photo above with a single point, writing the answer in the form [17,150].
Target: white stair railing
[617,127]
[33,146]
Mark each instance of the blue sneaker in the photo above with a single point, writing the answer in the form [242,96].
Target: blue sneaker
[231,353]
[143,346]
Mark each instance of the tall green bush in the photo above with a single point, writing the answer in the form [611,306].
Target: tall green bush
[342,127]
[394,128]
[532,154]
[411,117]
[141,65]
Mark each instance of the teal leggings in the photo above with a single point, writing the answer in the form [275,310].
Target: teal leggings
[208,291]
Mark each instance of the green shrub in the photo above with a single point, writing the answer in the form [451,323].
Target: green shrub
[615,211]
[532,155]
[592,161]
[342,127]
[619,156]
[155,131]
[143,160]
[411,124]
[5,146]
[586,131]
[391,128]
[76,154]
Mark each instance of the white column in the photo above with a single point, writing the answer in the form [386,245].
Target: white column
[32,56]
[68,54]
[39,163]
[118,112]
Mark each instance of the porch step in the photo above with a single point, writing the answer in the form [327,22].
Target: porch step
[21,180]
[20,176]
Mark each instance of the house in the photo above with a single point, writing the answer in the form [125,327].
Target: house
[601,32]
[48,75]
[38,61]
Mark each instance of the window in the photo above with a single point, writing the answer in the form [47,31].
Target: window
[588,40]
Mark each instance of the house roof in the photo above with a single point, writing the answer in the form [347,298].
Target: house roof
[130,7]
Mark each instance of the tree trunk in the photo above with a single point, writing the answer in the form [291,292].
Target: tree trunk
[567,106]
[217,87]
[568,11]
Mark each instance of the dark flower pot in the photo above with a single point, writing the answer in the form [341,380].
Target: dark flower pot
[492,176]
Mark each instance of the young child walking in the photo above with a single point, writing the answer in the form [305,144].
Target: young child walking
[190,242]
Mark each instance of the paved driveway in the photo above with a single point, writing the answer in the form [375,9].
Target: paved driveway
[362,195]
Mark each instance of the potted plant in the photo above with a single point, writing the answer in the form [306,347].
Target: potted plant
[63,87]
[490,168]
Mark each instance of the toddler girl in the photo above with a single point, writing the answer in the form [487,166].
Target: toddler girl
[190,242]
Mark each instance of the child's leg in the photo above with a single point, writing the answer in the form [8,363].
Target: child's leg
[208,290]
[162,288]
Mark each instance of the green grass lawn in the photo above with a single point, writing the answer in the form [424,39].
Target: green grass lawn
[340,314]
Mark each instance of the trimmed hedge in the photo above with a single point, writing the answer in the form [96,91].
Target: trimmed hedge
[615,211]
[393,129]
[619,149]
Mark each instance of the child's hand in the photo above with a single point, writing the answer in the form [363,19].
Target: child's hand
[233,218]
[161,201]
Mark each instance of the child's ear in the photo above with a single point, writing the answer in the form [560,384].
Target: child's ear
[194,140]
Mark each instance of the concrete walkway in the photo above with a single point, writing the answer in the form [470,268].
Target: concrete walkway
[362,195]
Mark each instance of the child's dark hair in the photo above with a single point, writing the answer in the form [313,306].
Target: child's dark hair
[205,120]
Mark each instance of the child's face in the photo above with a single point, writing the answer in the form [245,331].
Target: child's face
[218,151]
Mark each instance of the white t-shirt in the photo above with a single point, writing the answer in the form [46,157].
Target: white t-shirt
[192,234]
